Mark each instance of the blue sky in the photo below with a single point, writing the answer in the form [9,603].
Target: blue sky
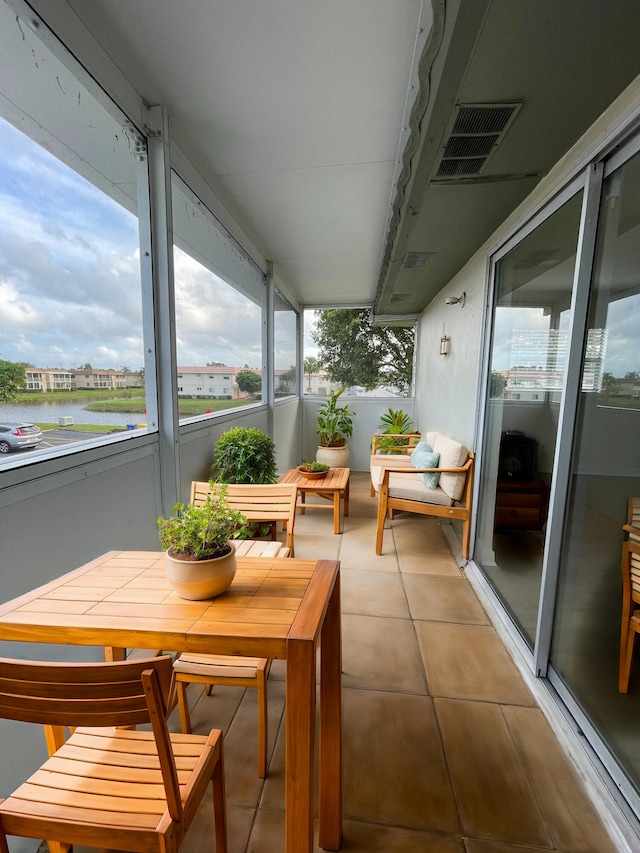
[70,276]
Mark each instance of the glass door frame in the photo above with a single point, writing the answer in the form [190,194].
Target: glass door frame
[579,183]
[630,800]
[589,179]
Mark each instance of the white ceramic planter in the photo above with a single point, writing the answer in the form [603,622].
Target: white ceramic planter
[336,457]
[200,579]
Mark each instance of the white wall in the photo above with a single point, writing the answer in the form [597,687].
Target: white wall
[447,397]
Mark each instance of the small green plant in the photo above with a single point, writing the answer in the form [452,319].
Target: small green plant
[396,421]
[244,455]
[313,467]
[335,423]
[202,532]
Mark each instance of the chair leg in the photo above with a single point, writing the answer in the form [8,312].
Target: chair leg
[382,514]
[466,538]
[626,659]
[183,706]
[220,804]
[263,727]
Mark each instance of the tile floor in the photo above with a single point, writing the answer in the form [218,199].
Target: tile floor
[445,749]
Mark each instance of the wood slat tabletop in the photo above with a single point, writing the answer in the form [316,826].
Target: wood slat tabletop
[123,599]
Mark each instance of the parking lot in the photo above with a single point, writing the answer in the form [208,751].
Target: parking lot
[50,438]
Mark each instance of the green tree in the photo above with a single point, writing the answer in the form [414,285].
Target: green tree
[248,381]
[354,351]
[12,380]
[311,365]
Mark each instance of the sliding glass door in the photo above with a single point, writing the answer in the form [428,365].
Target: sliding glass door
[604,474]
[533,288]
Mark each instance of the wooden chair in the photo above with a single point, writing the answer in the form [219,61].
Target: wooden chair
[630,625]
[267,502]
[632,527]
[232,670]
[225,671]
[108,787]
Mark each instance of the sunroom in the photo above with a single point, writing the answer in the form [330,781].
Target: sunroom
[203,176]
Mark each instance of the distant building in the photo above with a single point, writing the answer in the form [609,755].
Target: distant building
[46,379]
[215,382]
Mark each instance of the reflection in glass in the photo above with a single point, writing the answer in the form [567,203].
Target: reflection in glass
[605,473]
[529,348]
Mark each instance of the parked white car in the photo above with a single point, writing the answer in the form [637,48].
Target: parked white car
[14,436]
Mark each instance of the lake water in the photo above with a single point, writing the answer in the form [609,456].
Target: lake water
[51,412]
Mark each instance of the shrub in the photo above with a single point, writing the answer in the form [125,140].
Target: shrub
[244,455]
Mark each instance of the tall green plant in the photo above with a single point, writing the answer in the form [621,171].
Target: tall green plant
[335,423]
[396,422]
[244,455]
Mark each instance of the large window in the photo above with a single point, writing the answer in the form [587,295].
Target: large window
[345,348]
[71,315]
[285,356]
[218,295]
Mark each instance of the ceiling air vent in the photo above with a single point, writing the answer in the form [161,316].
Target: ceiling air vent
[475,132]
[416,260]
[399,297]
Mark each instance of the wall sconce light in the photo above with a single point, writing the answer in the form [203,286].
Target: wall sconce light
[444,345]
[455,300]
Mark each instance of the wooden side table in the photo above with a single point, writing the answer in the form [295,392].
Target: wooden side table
[522,503]
[332,487]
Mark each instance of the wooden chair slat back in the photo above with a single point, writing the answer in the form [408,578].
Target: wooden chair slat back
[262,499]
[79,694]
[157,704]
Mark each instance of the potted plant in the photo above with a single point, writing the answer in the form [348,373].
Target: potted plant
[395,422]
[335,425]
[244,455]
[200,559]
[394,425]
[313,470]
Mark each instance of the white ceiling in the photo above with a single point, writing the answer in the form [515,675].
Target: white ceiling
[319,123]
[291,109]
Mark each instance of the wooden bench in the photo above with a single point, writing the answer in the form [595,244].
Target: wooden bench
[399,486]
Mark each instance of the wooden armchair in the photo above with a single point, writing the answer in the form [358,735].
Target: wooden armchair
[399,486]
[108,787]
[268,502]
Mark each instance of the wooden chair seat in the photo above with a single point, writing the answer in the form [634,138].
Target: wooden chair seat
[108,787]
[226,671]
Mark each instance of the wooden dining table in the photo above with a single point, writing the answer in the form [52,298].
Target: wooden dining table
[275,608]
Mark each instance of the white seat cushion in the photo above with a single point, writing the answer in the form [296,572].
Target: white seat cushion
[411,487]
[379,463]
[225,666]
